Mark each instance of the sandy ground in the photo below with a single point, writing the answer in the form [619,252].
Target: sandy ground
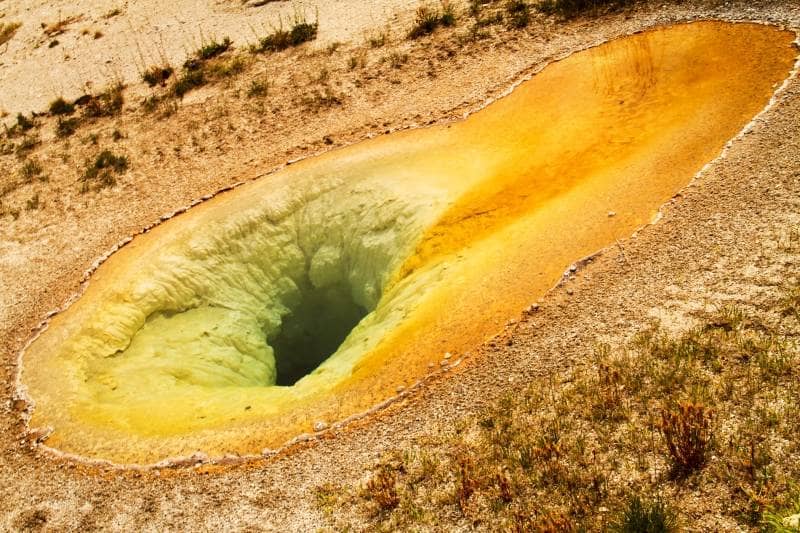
[715,243]
[137,34]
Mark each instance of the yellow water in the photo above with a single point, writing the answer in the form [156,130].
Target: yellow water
[441,234]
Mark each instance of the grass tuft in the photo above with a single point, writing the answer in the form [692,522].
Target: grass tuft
[99,174]
[641,516]
[157,75]
[427,19]
[575,8]
[213,49]
[59,106]
[7,31]
[108,103]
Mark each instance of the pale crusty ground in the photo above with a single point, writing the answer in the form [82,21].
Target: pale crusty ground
[145,32]
[713,245]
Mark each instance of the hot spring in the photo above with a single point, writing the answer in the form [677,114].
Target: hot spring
[314,293]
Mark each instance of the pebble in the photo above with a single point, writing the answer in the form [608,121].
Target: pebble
[448,355]
[573,268]
[611,214]
[320,426]
[400,388]
[570,291]
[443,362]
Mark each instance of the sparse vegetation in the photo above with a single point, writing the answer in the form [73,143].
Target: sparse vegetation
[519,13]
[280,39]
[642,419]
[213,49]
[30,170]
[257,88]
[427,19]
[187,81]
[7,31]
[59,106]
[99,174]
[157,75]
[66,126]
[641,516]
[107,103]
[575,8]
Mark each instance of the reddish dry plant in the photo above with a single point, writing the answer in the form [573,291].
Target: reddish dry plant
[549,523]
[688,433]
[468,482]
[382,489]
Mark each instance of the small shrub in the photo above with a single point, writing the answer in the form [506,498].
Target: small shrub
[66,126]
[258,88]
[575,8]
[100,173]
[377,41]
[189,80]
[519,13]
[213,49]
[32,203]
[59,106]
[382,489]
[397,60]
[229,68]
[7,31]
[157,75]
[24,123]
[106,104]
[30,170]
[301,31]
[448,16]
[427,19]
[645,517]
[688,434]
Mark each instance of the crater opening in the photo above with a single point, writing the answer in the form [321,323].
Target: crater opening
[313,330]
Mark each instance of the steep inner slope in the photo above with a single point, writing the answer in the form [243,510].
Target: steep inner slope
[312,294]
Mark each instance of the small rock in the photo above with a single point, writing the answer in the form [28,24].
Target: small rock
[573,268]
[448,355]
[533,308]
[443,362]
[431,365]
[570,291]
[400,388]
[603,509]
[320,426]
[86,508]
[611,214]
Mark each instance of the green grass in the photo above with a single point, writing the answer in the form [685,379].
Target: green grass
[641,516]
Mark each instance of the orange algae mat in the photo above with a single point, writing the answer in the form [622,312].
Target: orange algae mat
[437,236]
